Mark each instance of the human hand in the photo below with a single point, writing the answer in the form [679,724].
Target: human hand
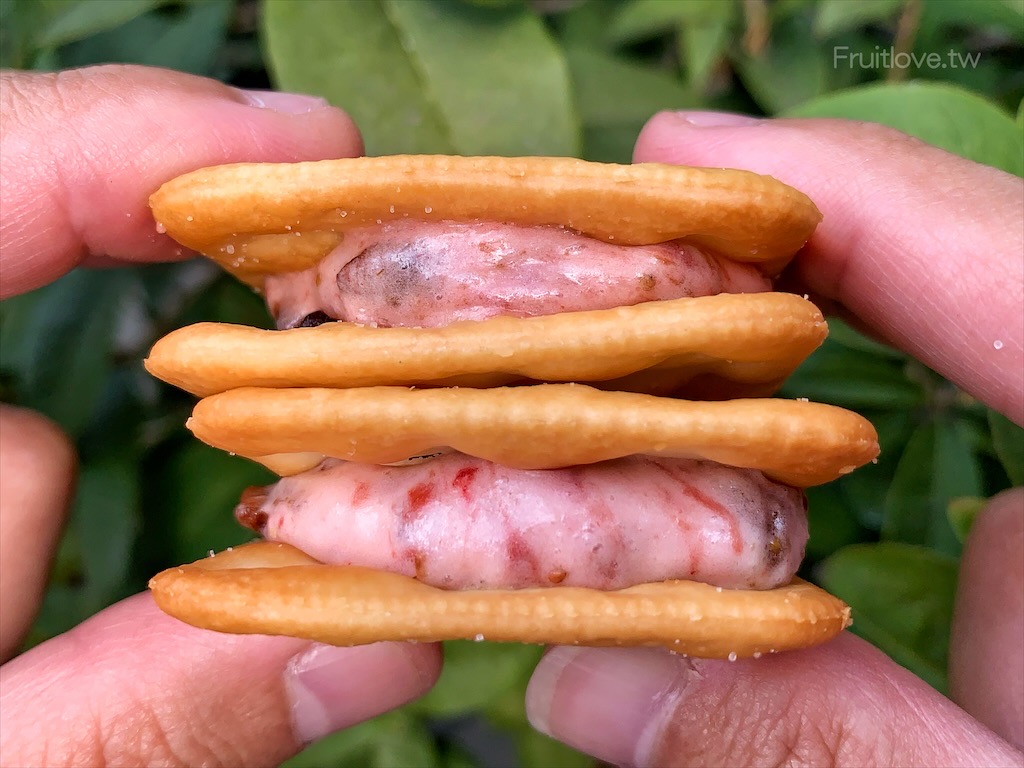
[80,153]
[923,249]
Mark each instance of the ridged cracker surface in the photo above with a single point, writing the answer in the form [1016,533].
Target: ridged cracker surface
[256,219]
[753,340]
[538,427]
[276,589]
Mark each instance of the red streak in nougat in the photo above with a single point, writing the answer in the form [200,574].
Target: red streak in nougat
[463,479]
[721,511]
[418,496]
[249,511]
[360,494]
[521,556]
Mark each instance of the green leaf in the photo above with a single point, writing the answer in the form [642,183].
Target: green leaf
[703,43]
[946,116]
[195,492]
[610,143]
[615,97]
[228,301]
[539,751]
[62,609]
[454,757]
[63,606]
[1003,15]
[1020,115]
[508,713]
[854,379]
[476,674]
[78,19]
[188,39]
[394,740]
[971,65]
[1008,441]
[642,19]
[961,513]
[19,24]
[791,69]
[429,76]
[494,3]
[841,333]
[864,491]
[780,9]
[936,467]
[406,744]
[615,91]
[835,16]
[832,522]
[106,519]
[67,352]
[902,601]
[585,24]
[350,747]
[16,337]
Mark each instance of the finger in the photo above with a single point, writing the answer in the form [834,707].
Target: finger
[82,150]
[37,464]
[842,704]
[132,686]
[923,246]
[986,655]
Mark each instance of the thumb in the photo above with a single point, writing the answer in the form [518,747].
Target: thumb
[843,703]
[132,686]
[82,150]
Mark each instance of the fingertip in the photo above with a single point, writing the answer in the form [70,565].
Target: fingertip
[342,129]
[37,464]
[663,137]
[903,223]
[331,688]
[28,436]
[986,657]
[840,703]
[607,702]
[659,138]
[93,144]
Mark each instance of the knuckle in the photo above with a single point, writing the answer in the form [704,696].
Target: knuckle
[735,724]
[816,733]
[175,736]
[143,735]
[802,740]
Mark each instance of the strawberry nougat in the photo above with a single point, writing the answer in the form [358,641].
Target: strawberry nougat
[459,522]
[415,273]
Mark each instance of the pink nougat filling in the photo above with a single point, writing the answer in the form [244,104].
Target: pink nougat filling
[460,522]
[415,273]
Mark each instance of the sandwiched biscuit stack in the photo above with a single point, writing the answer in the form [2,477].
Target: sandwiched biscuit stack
[682,381]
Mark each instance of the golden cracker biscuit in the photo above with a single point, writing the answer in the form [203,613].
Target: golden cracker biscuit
[256,219]
[275,589]
[542,426]
[756,339]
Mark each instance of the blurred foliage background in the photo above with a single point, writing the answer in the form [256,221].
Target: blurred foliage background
[561,77]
